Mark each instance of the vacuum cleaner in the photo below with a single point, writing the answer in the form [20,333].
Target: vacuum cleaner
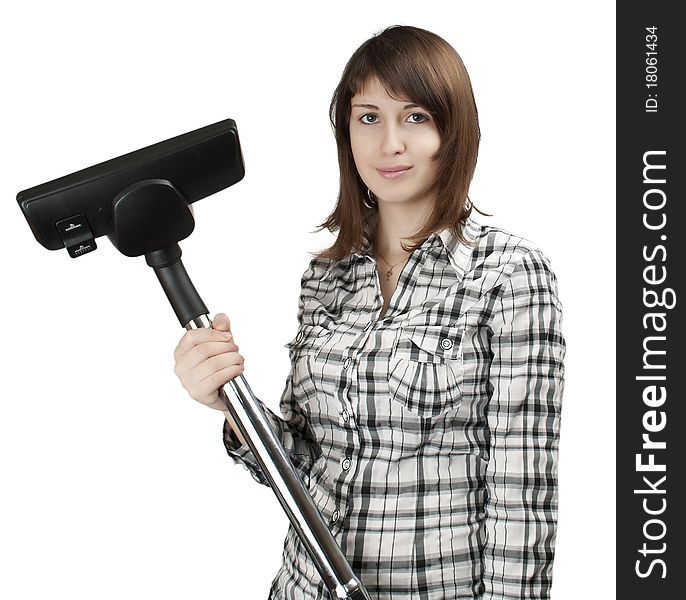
[142,202]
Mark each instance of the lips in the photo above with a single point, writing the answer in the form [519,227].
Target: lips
[393,172]
[393,169]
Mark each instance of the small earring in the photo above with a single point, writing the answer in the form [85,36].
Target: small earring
[371,204]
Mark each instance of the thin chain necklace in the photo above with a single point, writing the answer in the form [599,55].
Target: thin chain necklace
[390,271]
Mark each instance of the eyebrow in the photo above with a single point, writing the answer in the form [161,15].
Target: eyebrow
[372,106]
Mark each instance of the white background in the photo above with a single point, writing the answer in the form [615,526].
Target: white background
[115,484]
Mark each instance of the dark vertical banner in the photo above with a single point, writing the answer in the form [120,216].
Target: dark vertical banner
[651,258]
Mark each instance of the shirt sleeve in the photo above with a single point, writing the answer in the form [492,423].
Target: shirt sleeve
[527,381]
[290,429]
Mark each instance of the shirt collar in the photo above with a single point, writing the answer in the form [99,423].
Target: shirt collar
[457,251]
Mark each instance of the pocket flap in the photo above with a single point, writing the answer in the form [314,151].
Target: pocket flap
[439,341]
[305,338]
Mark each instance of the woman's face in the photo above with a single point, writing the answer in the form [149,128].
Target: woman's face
[386,134]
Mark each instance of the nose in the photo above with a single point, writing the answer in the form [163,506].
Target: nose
[393,141]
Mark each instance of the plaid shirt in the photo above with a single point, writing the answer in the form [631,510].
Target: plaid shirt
[428,438]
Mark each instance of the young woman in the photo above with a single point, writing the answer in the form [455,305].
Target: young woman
[423,405]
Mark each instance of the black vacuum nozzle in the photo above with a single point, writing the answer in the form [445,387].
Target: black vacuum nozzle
[141,200]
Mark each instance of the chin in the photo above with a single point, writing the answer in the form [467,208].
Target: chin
[397,198]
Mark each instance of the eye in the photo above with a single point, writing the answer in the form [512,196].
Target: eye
[422,115]
[362,118]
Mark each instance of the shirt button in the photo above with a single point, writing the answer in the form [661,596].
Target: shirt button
[335,515]
[347,362]
[346,464]
[299,337]
[346,416]
[446,344]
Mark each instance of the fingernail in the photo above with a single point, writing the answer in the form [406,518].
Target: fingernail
[227,335]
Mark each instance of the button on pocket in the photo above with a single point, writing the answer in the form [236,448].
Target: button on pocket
[426,371]
[308,338]
[303,351]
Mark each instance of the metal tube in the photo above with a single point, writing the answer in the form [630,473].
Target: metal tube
[247,414]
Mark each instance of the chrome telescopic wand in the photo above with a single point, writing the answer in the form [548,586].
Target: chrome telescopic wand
[247,414]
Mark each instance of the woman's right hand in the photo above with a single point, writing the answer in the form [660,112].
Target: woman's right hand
[206,359]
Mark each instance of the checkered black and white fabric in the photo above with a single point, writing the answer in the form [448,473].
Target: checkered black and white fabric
[428,438]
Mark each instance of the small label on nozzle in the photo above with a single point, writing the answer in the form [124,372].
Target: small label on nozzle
[77,235]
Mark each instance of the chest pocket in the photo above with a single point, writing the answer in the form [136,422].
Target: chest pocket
[425,371]
[308,341]
[303,349]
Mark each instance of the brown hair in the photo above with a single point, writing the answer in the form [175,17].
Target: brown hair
[422,66]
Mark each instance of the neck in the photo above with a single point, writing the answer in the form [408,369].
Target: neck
[396,223]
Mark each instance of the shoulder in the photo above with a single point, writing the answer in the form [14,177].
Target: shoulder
[494,247]
[319,271]
[320,288]
[501,259]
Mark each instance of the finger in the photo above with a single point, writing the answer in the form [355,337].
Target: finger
[197,380]
[195,337]
[203,352]
[207,392]
[217,372]
[221,322]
